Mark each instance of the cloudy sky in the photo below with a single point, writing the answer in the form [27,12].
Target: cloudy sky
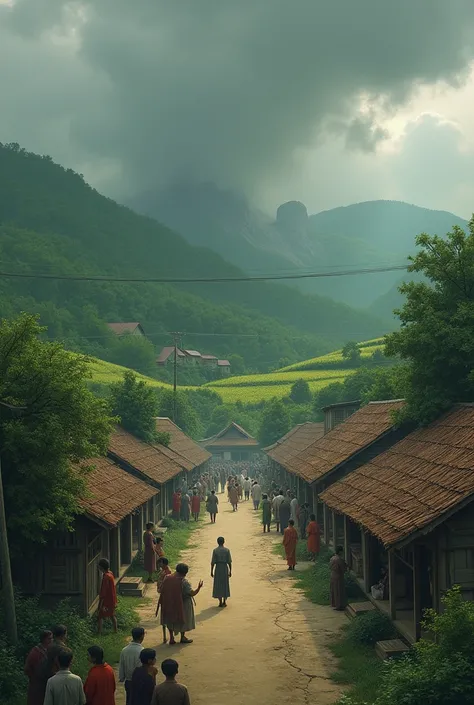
[326,102]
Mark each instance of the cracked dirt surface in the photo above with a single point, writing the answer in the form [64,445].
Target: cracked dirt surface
[269,644]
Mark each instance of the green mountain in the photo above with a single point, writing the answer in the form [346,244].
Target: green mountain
[359,236]
[52,222]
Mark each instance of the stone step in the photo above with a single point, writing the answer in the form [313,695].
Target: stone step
[354,609]
[131,586]
[391,648]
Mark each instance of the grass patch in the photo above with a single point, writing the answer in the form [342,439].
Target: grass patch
[358,667]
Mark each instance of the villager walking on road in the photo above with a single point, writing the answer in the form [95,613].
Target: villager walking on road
[35,661]
[149,552]
[338,567]
[107,596]
[234,497]
[176,504]
[212,506]
[221,571]
[290,540]
[247,486]
[277,500]
[185,509]
[195,505]
[177,604]
[285,512]
[314,537]
[294,506]
[256,493]
[266,513]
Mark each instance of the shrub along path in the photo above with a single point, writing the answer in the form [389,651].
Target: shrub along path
[269,645]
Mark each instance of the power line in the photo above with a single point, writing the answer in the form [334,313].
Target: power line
[203,280]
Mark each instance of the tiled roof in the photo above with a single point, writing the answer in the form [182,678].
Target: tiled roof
[158,463]
[223,363]
[209,357]
[193,353]
[230,442]
[191,452]
[415,483]
[120,328]
[357,432]
[296,440]
[166,352]
[113,492]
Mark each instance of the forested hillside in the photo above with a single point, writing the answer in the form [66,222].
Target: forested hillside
[52,222]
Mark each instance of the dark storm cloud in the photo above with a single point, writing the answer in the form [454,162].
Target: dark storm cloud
[220,90]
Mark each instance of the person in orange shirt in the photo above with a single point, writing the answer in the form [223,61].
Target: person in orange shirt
[107,596]
[290,540]
[99,687]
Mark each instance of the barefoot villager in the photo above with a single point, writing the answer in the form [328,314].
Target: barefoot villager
[170,692]
[256,493]
[285,512]
[266,513]
[165,570]
[277,500]
[177,604]
[290,540]
[212,506]
[221,571]
[195,505]
[33,666]
[338,567]
[107,596]
[247,486]
[234,497]
[314,537]
[99,687]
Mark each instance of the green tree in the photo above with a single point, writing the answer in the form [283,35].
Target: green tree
[437,334]
[220,418]
[62,424]
[300,392]
[135,352]
[134,402]
[351,353]
[237,364]
[186,417]
[275,422]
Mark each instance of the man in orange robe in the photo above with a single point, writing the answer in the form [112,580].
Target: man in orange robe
[314,537]
[171,603]
[99,687]
[290,540]
[107,596]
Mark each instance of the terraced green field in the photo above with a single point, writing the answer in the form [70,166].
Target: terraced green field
[262,392]
[107,373]
[334,360]
[279,378]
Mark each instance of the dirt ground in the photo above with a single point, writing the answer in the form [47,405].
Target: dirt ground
[268,645]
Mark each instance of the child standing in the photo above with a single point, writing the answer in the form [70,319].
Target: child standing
[170,691]
[164,571]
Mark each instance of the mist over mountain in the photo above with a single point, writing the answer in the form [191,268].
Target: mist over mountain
[359,236]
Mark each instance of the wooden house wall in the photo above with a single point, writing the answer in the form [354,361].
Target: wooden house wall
[455,552]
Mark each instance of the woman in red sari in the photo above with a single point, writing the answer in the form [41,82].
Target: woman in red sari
[107,596]
[176,504]
[314,537]
[290,540]
[33,663]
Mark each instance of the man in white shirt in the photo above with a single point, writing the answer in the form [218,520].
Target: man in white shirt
[64,688]
[130,660]
[294,508]
[247,485]
[277,500]
[256,493]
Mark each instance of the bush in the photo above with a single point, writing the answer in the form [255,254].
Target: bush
[167,522]
[370,628]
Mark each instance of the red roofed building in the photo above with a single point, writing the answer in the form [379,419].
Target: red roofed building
[127,328]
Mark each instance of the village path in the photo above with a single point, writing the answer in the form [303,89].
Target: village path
[269,644]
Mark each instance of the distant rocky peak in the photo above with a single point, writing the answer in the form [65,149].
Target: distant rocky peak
[292,222]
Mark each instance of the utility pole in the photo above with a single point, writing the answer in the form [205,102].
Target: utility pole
[5,565]
[176,339]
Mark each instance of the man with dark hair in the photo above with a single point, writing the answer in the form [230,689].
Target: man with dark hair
[100,683]
[144,678]
[107,596]
[64,688]
[33,665]
[130,660]
[170,692]
[50,665]
[177,604]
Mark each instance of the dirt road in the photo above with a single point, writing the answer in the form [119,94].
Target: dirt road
[268,645]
